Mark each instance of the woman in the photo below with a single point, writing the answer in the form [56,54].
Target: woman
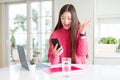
[71,36]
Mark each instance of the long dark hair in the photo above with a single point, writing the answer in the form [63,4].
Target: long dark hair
[74,26]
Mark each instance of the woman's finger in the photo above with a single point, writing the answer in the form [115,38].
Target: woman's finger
[56,46]
[60,51]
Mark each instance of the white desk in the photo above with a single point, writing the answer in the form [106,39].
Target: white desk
[89,72]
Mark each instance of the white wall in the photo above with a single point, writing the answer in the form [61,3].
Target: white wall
[4,60]
[0,39]
[85,11]
[107,7]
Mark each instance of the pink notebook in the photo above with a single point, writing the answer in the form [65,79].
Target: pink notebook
[59,69]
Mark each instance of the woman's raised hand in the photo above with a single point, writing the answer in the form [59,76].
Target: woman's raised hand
[84,26]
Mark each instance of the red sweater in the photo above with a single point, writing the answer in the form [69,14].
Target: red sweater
[63,36]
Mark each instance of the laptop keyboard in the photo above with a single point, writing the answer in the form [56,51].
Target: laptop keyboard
[41,65]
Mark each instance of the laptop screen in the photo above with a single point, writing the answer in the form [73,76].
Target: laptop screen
[22,57]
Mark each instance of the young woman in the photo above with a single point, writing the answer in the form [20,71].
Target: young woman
[71,35]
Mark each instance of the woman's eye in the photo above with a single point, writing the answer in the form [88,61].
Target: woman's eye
[62,18]
[69,18]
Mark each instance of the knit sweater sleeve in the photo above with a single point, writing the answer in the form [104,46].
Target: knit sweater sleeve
[51,58]
[81,49]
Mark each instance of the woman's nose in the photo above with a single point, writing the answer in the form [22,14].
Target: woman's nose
[66,21]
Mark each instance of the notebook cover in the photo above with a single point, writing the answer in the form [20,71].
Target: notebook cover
[59,69]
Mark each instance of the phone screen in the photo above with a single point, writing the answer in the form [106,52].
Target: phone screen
[55,41]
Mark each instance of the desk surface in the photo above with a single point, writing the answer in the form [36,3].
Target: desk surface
[88,72]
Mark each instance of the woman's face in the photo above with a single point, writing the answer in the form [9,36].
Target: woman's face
[66,20]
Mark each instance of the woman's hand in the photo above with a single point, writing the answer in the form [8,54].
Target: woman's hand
[57,52]
[84,26]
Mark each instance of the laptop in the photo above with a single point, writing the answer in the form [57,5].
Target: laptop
[24,62]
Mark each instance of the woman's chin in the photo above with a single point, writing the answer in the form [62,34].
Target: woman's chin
[66,27]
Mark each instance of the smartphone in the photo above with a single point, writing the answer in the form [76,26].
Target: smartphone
[55,41]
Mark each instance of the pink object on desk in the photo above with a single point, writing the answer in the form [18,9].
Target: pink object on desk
[59,69]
